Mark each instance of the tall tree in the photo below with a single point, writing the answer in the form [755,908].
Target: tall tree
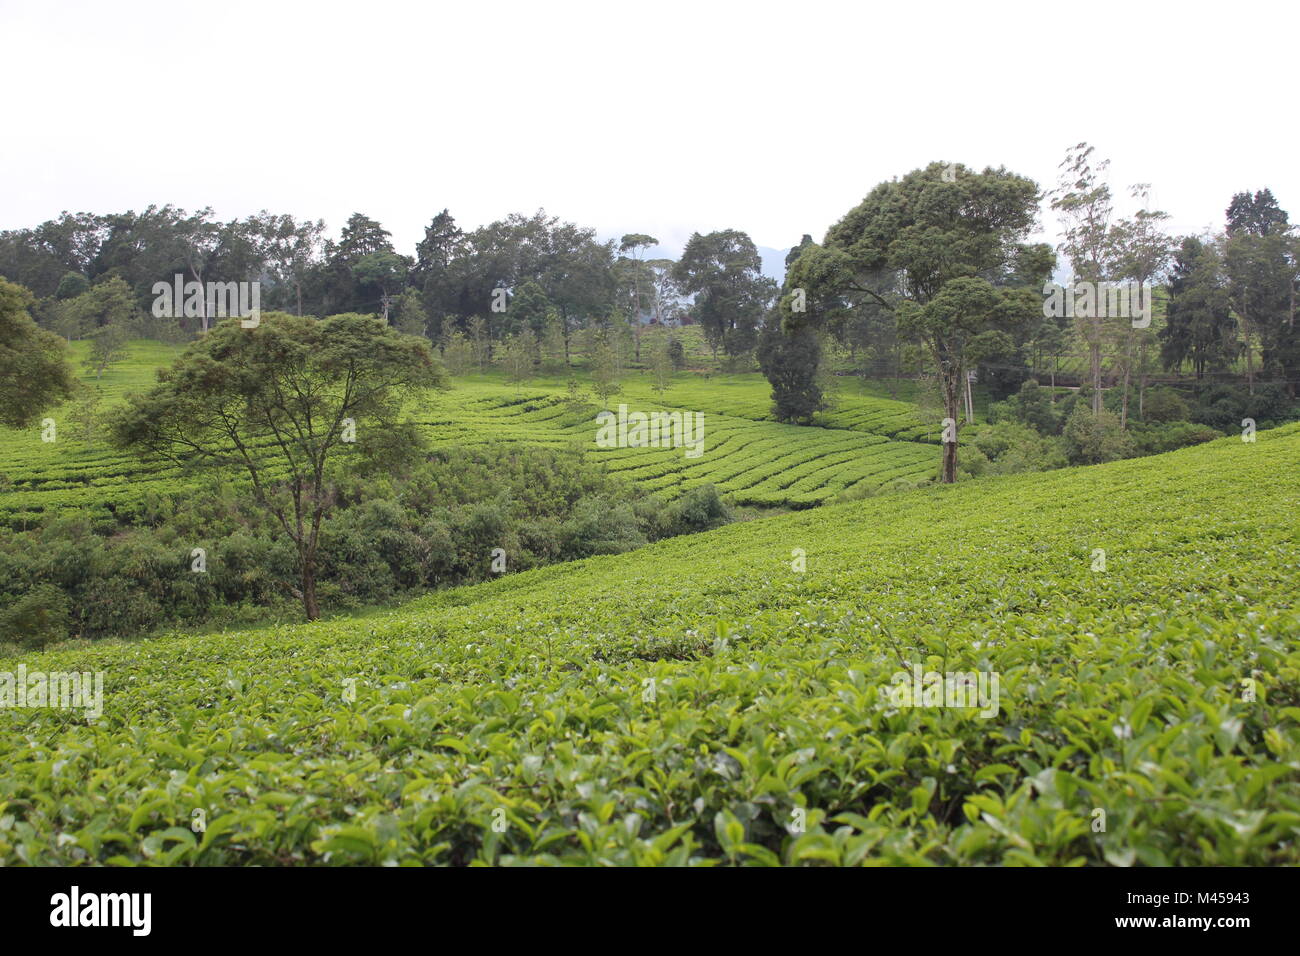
[724,272]
[443,243]
[1198,322]
[1261,280]
[1141,251]
[943,254]
[283,402]
[1083,201]
[34,370]
[636,274]
[289,248]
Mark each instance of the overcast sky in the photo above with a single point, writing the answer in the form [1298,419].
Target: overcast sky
[663,117]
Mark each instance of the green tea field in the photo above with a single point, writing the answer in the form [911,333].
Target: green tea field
[730,697]
[870,441]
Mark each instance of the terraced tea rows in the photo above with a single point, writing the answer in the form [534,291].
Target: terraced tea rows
[701,701]
[756,461]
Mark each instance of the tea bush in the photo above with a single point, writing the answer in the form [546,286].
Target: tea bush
[704,701]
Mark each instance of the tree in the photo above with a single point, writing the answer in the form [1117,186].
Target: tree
[723,270]
[107,346]
[40,258]
[789,358]
[432,274]
[667,294]
[1261,279]
[200,238]
[409,316]
[285,402]
[457,354]
[789,347]
[480,352]
[519,356]
[34,370]
[661,367]
[383,270]
[289,248]
[349,285]
[676,353]
[945,256]
[72,285]
[108,303]
[86,412]
[552,343]
[604,372]
[1083,201]
[1091,439]
[528,308]
[636,273]
[1257,215]
[1198,322]
[962,322]
[361,237]
[1141,251]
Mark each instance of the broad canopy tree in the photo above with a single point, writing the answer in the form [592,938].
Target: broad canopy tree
[34,370]
[1198,321]
[1260,261]
[947,258]
[288,402]
[724,272]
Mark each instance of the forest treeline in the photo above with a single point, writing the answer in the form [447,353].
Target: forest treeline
[931,274]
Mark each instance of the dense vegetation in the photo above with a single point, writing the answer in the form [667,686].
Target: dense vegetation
[439,523]
[679,703]
[620,651]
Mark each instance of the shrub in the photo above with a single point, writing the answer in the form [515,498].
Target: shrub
[1092,439]
[1151,439]
[1009,448]
[37,618]
[1163,404]
[1032,406]
[700,509]
[392,535]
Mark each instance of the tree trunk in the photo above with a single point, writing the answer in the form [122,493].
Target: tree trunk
[308,577]
[1250,367]
[950,402]
[1128,368]
[1094,357]
[203,296]
[1142,381]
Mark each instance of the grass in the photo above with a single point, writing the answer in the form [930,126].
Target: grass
[700,701]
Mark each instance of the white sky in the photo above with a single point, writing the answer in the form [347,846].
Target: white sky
[661,117]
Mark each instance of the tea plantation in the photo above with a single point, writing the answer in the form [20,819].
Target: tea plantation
[705,701]
[872,441]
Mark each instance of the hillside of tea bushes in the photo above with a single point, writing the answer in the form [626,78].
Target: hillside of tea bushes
[871,441]
[700,701]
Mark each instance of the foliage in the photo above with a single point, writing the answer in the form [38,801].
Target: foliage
[34,372]
[283,402]
[684,700]
[1095,437]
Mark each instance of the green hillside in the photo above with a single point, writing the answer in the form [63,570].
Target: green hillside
[874,441]
[699,701]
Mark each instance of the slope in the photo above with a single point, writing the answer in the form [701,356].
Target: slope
[702,701]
